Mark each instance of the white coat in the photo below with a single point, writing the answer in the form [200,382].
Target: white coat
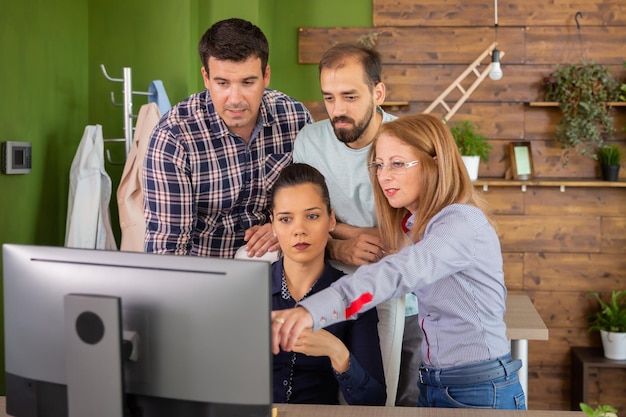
[88,220]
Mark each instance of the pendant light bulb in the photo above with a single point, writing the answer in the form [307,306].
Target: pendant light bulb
[496,71]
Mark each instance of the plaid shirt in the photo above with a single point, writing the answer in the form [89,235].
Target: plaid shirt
[203,186]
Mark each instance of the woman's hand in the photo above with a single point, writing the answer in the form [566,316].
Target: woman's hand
[287,325]
[324,343]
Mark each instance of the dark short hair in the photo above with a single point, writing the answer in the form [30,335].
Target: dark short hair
[233,40]
[298,174]
[338,55]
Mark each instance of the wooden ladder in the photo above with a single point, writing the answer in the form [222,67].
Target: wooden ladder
[471,69]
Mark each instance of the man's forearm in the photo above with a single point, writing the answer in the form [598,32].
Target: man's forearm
[344,231]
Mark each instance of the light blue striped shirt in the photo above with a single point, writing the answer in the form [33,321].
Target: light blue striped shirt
[455,270]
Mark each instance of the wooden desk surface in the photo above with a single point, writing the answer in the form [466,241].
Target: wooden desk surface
[522,319]
[300,410]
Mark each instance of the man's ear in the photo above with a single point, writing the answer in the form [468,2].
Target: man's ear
[266,76]
[205,76]
[379,93]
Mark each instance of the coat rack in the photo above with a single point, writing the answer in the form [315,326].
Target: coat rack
[127,105]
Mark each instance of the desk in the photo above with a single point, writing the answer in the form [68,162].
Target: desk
[301,410]
[523,323]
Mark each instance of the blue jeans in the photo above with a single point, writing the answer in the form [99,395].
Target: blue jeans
[503,393]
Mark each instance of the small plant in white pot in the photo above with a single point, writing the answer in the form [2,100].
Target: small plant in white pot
[473,146]
[610,321]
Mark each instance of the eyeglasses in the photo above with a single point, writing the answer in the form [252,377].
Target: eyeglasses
[394,167]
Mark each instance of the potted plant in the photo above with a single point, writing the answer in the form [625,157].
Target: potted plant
[582,91]
[473,146]
[610,321]
[599,411]
[610,157]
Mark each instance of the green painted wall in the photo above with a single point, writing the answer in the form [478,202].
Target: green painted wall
[150,37]
[280,20]
[52,85]
[301,81]
[43,84]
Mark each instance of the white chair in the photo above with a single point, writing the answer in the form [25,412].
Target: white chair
[390,331]
[270,257]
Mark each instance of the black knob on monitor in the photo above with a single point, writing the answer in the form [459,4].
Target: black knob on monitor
[89,327]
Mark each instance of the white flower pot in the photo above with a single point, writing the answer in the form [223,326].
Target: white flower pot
[614,345]
[471,163]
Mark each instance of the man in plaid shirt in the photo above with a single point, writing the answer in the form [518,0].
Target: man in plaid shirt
[214,156]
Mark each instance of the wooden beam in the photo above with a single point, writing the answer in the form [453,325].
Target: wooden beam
[435,13]
[414,45]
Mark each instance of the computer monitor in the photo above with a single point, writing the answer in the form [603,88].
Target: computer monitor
[200,329]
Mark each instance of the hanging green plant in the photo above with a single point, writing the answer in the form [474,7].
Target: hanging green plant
[582,91]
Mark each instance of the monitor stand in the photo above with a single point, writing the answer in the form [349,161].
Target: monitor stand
[93,360]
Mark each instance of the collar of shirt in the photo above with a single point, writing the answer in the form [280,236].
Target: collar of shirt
[265,118]
[329,275]
[407,222]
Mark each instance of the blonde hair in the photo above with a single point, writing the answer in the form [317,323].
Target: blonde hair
[443,180]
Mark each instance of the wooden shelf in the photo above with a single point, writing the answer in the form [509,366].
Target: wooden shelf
[561,183]
[556,104]
[394,105]
[585,363]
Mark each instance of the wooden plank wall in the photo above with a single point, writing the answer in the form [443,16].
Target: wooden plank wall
[556,245]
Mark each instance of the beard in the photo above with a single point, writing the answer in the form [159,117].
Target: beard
[352,135]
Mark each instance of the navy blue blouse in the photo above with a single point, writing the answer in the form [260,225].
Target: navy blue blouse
[303,379]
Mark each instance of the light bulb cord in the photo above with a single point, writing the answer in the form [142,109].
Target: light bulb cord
[496,72]
[495,19]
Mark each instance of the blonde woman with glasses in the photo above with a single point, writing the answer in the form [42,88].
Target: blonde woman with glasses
[445,250]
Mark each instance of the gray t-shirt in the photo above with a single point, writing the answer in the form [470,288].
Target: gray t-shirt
[344,168]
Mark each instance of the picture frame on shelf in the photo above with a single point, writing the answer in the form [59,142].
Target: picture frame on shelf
[521,160]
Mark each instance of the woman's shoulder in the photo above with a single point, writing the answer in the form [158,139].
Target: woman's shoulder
[458,220]
[332,273]
[462,212]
